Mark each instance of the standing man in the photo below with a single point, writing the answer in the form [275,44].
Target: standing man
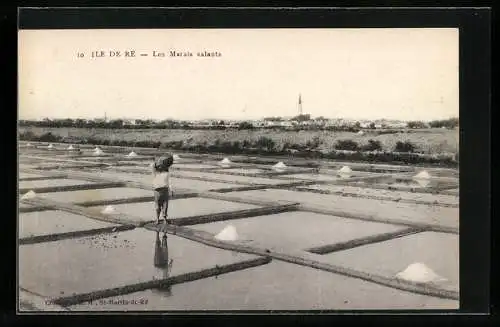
[162,186]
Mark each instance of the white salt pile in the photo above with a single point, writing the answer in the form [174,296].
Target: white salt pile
[28,195]
[419,272]
[98,151]
[29,145]
[108,210]
[361,133]
[422,175]
[132,154]
[345,170]
[51,146]
[423,182]
[227,234]
[280,165]
[225,162]
[71,147]
[176,157]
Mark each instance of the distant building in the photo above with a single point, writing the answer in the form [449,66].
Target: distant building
[397,125]
[257,123]
[129,122]
[271,123]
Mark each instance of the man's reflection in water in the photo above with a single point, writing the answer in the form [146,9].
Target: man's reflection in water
[162,261]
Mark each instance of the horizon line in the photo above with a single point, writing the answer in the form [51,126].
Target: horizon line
[237,119]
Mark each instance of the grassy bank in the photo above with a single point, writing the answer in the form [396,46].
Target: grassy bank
[432,146]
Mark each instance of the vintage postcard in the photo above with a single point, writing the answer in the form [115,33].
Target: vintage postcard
[238,169]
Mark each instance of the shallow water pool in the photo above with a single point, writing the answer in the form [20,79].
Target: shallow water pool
[275,286]
[55,222]
[86,264]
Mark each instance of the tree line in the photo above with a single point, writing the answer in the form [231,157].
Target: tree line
[173,124]
[446,123]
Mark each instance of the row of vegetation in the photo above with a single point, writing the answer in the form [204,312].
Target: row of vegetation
[170,124]
[173,124]
[444,123]
[403,152]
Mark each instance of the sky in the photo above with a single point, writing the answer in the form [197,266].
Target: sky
[404,74]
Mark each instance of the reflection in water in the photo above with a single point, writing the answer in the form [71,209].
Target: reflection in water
[405,182]
[423,182]
[343,175]
[162,261]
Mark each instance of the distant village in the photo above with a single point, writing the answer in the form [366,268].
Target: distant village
[298,122]
[270,122]
[302,121]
